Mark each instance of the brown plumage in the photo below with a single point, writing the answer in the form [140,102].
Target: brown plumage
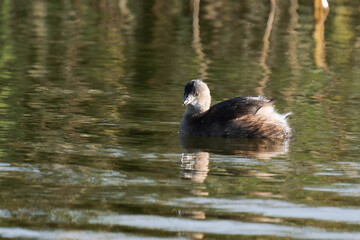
[236,117]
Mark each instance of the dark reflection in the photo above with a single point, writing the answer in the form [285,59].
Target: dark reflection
[195,159]
[254,148]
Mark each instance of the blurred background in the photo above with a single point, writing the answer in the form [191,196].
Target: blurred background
[90,105]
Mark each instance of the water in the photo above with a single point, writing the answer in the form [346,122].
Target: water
[90,104]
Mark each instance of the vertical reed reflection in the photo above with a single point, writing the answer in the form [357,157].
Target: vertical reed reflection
[292,51]
[197,41]
[321,11]
[294,24]
[265,49]
[127,15]
[39,12]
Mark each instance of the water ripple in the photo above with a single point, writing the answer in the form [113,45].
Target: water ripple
[49,235]
[227,227]
[276,208]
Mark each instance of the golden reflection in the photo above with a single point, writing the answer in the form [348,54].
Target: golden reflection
[321,11]
[197,41]
[265,49]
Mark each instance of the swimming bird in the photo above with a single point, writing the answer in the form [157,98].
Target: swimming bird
[253,117]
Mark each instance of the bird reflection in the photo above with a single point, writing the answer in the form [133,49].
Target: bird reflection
[262,148]
[194,166]
[195,159]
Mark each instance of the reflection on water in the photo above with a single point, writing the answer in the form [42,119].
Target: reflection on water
[321,10]
[194,166]
[262,148]
[89,117]
[23,233]
[195,159]
[276,208]
[265,49]
[196,43]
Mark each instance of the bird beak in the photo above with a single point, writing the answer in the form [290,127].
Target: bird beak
[188,99]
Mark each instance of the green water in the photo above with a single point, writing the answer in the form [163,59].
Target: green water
[90,105]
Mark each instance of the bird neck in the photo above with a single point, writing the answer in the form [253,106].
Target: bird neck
[199,106]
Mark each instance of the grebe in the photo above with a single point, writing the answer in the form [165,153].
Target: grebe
[236,117]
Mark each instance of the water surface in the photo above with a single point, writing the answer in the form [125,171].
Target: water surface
[90,105]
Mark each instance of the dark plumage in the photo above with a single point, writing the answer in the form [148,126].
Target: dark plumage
[236,117]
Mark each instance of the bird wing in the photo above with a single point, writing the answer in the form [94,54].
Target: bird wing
[234,108]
